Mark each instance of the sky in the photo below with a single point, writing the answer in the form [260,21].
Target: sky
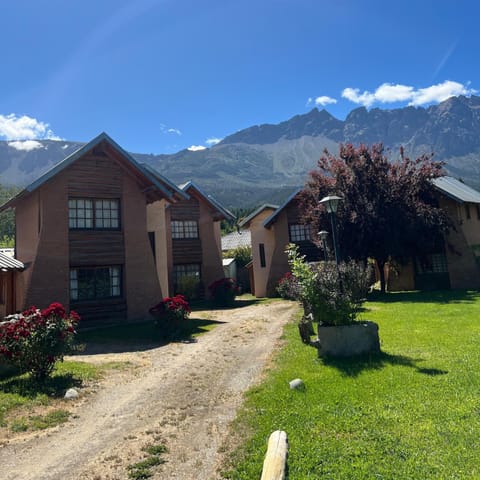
[160,76]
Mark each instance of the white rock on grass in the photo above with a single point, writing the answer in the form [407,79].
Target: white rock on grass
[71,393]
[296,384]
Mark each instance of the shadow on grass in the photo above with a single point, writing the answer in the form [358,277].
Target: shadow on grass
[139,337]
[54,386]
[438,296]
[237,303]
[353,366]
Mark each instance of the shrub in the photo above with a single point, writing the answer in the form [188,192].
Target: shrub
[242,255]
[34,340]
[333,295]
[188,286]
[287,287]
[223,291]
[173,309]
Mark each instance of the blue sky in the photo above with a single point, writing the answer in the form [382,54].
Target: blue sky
[163,75]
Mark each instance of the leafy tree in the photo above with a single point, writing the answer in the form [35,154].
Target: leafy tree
[389,209]
[7,219]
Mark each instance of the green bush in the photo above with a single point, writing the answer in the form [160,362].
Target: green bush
[333,295]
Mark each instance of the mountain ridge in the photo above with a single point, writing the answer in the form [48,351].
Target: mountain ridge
[264,163]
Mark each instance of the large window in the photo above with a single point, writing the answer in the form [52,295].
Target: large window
[299,233]
[95,283]
[184,229]
[102,214]
[185,270]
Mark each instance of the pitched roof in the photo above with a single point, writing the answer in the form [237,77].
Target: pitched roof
[157,185]
[244,223]
[242,238]
[456,190]
[209,199]
[271,219]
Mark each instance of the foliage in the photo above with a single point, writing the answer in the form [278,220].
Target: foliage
[7,218]
[242,255]
[175,308]
[223,291]
[333,295]
[36,339]
[388,209]
[188,286]
[287,287]
[354,419]
[230,225]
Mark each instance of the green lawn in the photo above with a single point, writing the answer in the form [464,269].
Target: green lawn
[413,412]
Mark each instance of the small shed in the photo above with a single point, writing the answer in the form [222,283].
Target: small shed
[230,268]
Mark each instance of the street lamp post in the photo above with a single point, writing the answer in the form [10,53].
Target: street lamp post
[331,204]
[323,234]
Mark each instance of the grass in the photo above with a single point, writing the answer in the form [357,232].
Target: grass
[143,469]
[19,393]
[411,412]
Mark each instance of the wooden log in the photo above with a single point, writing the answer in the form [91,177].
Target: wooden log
[275,463]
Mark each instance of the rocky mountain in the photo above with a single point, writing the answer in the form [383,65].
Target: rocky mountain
[264,163]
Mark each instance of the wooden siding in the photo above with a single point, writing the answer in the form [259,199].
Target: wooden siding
[95,176]
[101,312]
[96,247]
[187,250]
[185,210]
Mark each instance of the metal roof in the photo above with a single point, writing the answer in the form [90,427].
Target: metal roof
[456,190]
[214,203]
[274,215]
[7,263]
[244,223]
[232,240]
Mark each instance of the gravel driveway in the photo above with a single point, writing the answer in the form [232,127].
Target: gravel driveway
[183,395]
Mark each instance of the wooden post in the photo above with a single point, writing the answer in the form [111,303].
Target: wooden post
[275,463]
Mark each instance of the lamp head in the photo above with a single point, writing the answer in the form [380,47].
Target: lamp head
[331,203]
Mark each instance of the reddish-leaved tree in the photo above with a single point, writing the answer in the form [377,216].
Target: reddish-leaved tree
[389,210]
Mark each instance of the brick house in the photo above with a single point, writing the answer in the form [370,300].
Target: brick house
[272,228]
[189,256]
[81,233]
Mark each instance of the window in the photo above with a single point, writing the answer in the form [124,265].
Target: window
[186,270]
[434,263]
[261,251]
[95,282]
[299,233]
[101,214]
[184,229]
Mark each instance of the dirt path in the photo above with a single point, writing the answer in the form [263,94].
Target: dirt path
[182,395]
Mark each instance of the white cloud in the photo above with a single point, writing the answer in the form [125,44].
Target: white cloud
[213,141]
[324,100]
[389,93]
[167,130]
[440,92]
[26,145]
[13,127]
[196,148]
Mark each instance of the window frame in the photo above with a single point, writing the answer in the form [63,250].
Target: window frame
[93,214]
[115,278]
[299,232]
[184,229]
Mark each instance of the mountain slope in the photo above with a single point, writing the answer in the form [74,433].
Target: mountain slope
[266,162]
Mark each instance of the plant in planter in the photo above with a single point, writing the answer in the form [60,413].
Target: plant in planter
[171,313]
[332,296]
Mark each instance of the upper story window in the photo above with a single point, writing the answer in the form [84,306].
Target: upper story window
[299,232]
[184,229]
[86,213]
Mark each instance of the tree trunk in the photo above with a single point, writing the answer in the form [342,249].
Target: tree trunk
[381,269]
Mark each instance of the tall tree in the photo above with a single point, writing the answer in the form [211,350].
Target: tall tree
[389,210]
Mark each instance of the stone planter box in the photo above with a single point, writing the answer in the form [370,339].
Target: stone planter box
[348,340]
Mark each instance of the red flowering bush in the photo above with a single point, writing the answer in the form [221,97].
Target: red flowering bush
[35,340]
[174,308]
[287,287]
[223,291]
